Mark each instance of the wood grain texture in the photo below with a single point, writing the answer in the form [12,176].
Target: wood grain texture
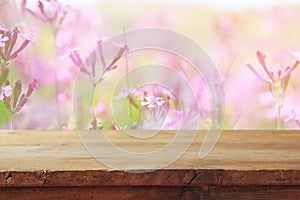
[153,193]
[235,150]
[243,165]
[163,177]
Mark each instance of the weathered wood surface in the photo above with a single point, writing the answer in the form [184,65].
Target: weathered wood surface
[153,192]
[243,165]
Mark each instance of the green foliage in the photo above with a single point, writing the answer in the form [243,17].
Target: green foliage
[3,74]
[17,91]
[135,109]
[3,113]
[106,125]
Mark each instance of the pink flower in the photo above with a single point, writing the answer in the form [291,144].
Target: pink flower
[48,11]
[88,66]
[73,55]
[182,119]
[33,84]
[28,36]
[76,59]
[112,65]
[152,101]
[95,124]
[3,39]
[296,54]
[67,128]
[294,116]
[114,126]
[5,92]
[272,74]
[2,28]
[31,87]
[24,97]
[11,37]
[177,117]
[125,92]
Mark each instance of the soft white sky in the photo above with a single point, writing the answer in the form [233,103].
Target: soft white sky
[217,4]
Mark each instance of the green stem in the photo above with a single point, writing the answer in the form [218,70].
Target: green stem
[279,99]
[279,119]
[11,123]
[90,103]
[127,74]
[56,84]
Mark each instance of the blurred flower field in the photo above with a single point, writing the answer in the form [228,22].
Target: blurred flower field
[49,50]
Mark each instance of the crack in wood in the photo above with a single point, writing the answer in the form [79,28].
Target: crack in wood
[8,179]
[188,178]
[169,175]
[43,175]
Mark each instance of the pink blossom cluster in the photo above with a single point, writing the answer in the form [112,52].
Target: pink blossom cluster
[67,60]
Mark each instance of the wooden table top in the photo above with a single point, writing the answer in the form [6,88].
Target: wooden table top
[242,157]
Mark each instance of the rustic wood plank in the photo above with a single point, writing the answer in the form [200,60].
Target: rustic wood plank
[235,150]
[164,177]
[153,193]
[243,165]
[91,193]
[252,192]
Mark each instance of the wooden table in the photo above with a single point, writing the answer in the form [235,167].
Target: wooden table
[243,165]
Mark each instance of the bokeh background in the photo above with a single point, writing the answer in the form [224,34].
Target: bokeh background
[229,31]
